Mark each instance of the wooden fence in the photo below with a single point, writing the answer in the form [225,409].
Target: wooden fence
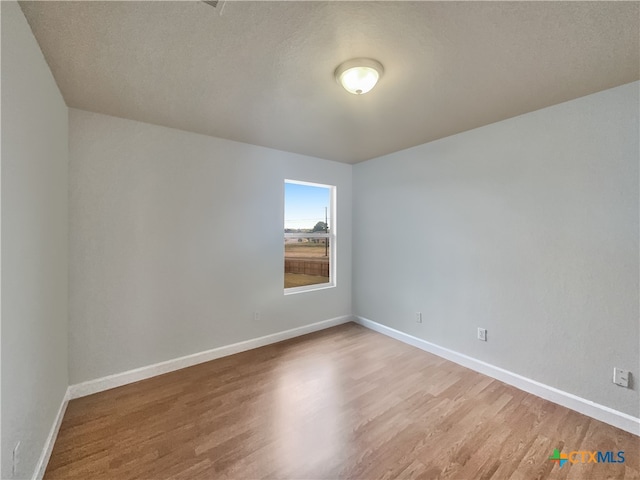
[307,266]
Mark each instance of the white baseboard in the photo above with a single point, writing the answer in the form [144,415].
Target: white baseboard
[591,409]
[116,380]
[43,461]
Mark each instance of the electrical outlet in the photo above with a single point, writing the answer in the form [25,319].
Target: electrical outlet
[482,334]
[15,458]
[256,316]
[621,377]
[418,317]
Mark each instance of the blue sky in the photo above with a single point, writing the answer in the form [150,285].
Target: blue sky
[304,205]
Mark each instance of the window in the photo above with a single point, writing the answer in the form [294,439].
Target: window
[309,236]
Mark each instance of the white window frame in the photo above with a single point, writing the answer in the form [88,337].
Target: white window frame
[332,236]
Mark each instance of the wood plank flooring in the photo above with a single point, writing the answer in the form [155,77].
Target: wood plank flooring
[343,403]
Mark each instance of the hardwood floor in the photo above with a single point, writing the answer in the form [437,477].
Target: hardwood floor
[341,403]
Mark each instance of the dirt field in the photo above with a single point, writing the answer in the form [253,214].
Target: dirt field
[299,280]
[297,250]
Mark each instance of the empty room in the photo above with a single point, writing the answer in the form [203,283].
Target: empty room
[320,240]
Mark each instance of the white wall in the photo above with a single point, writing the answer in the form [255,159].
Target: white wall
[177,238]
[527,227]
[34,245]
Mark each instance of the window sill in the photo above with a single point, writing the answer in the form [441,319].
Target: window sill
[309,288]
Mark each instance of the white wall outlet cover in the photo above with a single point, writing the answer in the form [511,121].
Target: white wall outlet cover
[482,334]
[14,466]
[621,377]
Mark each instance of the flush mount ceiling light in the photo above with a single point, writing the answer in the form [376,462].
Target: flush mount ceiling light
[359,75]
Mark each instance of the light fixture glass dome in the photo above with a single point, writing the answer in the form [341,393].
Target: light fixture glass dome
[359,75]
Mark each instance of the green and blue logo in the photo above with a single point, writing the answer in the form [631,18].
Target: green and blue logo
[559,458]
[585,456]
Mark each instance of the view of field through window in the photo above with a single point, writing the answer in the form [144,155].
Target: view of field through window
[307,227]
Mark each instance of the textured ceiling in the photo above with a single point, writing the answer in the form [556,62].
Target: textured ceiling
[262,72]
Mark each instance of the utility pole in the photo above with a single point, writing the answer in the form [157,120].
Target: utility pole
[326,230]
